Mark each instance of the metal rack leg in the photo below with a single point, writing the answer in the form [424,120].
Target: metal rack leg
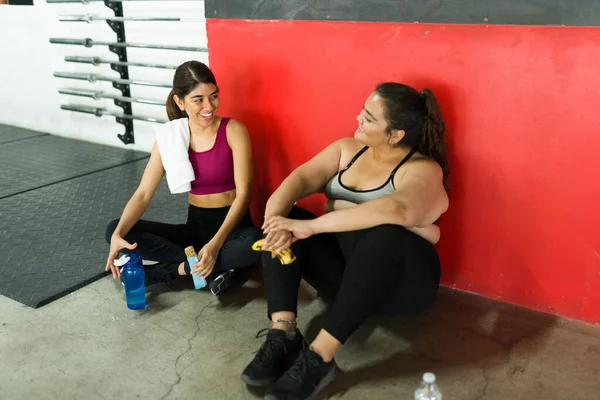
[119,28]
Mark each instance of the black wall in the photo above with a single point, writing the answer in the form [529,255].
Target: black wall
[515,12]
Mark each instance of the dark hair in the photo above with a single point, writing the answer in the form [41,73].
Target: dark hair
[418,114]
[187,76]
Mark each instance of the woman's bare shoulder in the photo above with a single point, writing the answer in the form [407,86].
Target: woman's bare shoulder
[234,125]
[236,132]
[346,147]
[422,163]
[349,147]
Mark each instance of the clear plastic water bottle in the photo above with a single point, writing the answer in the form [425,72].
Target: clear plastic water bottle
[133,280]
[428,390]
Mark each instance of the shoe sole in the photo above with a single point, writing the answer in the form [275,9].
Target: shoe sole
[330,377]
[257,382]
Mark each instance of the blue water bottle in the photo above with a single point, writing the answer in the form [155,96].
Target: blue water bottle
[133,279]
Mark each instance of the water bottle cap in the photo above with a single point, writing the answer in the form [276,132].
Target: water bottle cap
[428,378]
[124,259]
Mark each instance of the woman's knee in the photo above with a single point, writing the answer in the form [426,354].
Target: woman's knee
[390,245]
[254,234]
[243,238]
[379,239]
[110,229]
[388,231]
[237,252]
[387,237]
[300,213]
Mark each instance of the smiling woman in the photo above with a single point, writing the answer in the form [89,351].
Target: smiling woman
[209,157]
[372,252]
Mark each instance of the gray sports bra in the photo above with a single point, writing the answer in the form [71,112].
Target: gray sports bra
[336,190]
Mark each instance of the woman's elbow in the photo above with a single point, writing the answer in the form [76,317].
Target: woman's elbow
[244,194]
[143,196]
[401,214]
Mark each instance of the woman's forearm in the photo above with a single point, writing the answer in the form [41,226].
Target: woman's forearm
[133,211]
[430,233]
[238,208]
[289,192]
[362,216]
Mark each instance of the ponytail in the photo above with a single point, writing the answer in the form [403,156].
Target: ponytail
[173,111]
[419,116]
[432,140]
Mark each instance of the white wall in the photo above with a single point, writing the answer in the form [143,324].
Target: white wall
[29,95]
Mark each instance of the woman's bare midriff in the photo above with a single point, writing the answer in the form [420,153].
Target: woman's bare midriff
[214,200]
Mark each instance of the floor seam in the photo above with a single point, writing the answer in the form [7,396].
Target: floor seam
[187,350]
[72,177]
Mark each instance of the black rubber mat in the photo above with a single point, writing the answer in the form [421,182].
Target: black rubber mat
[40,161]
[9,133]
[52,239]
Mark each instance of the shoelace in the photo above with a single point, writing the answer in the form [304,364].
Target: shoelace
[300,370]
[265,352]
[259,334]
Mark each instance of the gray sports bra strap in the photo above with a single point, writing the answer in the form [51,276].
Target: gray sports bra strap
[360,153]
[405,159]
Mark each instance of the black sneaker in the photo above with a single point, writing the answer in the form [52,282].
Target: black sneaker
[221,282]
[305,379]
[275,355]
[160,273]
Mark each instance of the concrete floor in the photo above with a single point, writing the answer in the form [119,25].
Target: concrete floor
[190,345]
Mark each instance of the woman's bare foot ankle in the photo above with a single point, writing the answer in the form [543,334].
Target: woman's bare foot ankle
[284,327]
[181,269]
[325,345]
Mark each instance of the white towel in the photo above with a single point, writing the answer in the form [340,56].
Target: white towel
[173,140]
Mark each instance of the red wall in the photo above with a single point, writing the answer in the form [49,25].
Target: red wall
[522,106]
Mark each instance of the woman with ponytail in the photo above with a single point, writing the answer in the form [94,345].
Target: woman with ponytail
[209,157]
[371,253]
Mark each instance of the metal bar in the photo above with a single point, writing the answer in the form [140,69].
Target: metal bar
[96,95]
[94,77]
[97,111]
[137,117]
[101,111]
[98,61]
[90,18]
[81,42]
[87,42]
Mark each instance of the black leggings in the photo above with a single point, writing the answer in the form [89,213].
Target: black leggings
[165,243]
[387,270]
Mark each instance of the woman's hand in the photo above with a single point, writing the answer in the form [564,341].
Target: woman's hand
[278,241]
[117,243]
[299,228]
[207,258]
